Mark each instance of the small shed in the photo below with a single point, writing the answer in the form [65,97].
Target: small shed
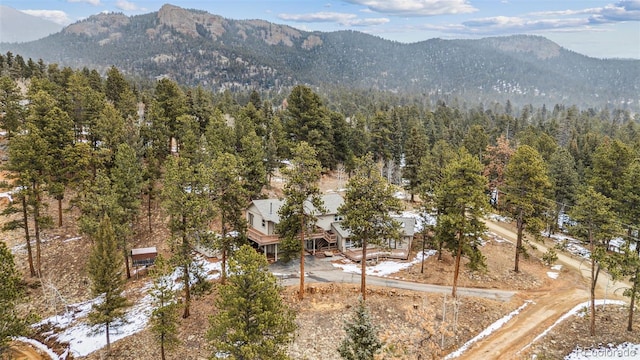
[143,256]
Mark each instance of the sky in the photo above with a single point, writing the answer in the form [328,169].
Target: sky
[603,29]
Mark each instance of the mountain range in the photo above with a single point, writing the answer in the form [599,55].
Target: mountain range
[17,26]
[194,47]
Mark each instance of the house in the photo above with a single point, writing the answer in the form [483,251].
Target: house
[262,218]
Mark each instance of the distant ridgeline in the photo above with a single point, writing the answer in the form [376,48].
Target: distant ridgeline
[197,48]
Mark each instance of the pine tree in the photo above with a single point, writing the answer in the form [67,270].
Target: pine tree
[164,317]
[361,341]
[10,293]
[526,185]
[596,225]
[251,322]
[126,179]
[415,150]
[461,202]
[107,282]
[302,203]
[187,199]
[230,199]
[367,210]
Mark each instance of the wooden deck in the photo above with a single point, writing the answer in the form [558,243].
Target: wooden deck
[355,254]
[262,239]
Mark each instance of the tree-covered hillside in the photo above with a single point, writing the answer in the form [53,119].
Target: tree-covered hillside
[196,48]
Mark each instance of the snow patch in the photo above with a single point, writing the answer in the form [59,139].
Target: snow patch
[385,268]
[553,274]
[40,346]
[83,339]
[489,330]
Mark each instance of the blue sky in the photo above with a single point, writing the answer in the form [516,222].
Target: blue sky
[596,28]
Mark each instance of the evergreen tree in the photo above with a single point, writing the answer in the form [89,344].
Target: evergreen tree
[10,293]
[526,185]
[164,317]
[231,200]
[361,341]
[126,179]
[367,210]
[302,203]
[10,108]
[252,160]
[251,322]
[415,150]
[306,119]
[461,202]
[596,225]
[187,199]
[630,210]
[564,181]
[107,282]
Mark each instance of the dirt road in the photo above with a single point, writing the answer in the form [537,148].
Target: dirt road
[548,305]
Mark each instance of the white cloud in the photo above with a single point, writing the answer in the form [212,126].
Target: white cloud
[127,5]
[57,16]
[92,2]
[565,20]
[417,7]
[333,17]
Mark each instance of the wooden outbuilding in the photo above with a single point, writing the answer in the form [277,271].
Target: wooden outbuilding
[143,256]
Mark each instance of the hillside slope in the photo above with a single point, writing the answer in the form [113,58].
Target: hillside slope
[197,48]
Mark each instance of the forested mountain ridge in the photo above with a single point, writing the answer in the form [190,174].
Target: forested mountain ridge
[194,47]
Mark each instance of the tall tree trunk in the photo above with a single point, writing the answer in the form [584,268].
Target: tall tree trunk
[59,198]
[149,207]
[594,281]
[108,338]
[162,357]
[424,240]
[185,276]
[25,219]
[456,271]
[520,225]
[126,256]
[301,291]
[223,275]
[36,227]
[363,264]
[632,304]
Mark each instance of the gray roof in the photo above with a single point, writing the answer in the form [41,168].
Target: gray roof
[268,208]
[344,233]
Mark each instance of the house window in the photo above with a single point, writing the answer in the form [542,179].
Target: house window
[250,219]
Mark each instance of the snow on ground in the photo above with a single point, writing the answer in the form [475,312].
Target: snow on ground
[488,331]
[71,327]
[610,351]
[554,274]
[385,268]
[42,347]
[575,311]
[570,244]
